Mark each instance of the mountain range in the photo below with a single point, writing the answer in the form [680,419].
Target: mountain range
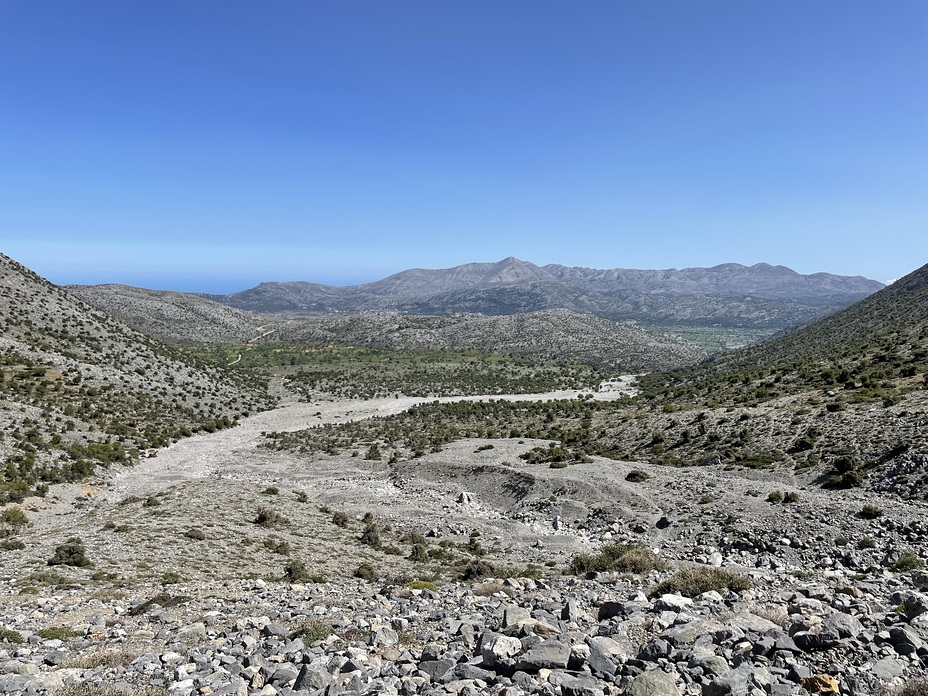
[761,295]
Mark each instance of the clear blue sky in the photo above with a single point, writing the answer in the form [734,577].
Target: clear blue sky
[212,145]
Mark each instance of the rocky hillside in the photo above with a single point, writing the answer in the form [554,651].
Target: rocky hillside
[878,346]
[173,316]
[78,388]
[726,295]
[558,336]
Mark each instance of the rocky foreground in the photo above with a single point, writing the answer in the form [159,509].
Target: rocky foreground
[560,635]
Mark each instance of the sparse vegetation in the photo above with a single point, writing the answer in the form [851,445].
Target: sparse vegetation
[70,553]
[693,580]
[624,558]
[268,517]
[870,512]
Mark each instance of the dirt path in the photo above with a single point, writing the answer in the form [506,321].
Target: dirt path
[210,454]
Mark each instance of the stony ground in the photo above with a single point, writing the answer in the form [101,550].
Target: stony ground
[188,591]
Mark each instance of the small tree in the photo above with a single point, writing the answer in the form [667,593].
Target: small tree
[12,521]
[70,553]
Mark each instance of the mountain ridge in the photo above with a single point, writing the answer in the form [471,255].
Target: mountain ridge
[726,294]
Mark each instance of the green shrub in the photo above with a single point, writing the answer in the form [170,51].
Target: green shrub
[296,571]
[171,578]
[637,476]
[281,546]
[8,635]
[12,521]
[870,512]
[419,553]
[70,553]
[790,497]
[340,519]
[775,497]
[866,543]
[624,558]
[691,581]
[271,490]
[909,560]
[57,633]
[311,630]
[422,585]
[475,569]
[370,535]
[301,497]
[267,517]
[366,571]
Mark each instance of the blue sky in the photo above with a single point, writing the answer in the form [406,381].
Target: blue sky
[212,145]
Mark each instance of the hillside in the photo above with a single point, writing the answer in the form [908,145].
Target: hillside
[78,388]
[558,336]
[761,296]
[878,345]
[174,316]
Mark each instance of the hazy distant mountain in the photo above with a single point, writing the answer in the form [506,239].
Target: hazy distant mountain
[726,295]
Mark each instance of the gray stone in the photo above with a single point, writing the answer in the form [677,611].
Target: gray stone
[436,669]
[277,630]
[609,609]
[888,668]
[735,682]
[606,655]
[549,654]
[653,683]
[844,625]
[514,616]
[713,665]
[905,640]
[496,648]
[576,686]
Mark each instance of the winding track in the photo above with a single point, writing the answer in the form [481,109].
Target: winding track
[208,454]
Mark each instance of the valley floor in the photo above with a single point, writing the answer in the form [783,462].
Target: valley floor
[217,526]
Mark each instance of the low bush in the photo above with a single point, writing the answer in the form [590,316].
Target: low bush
[637,476]
[908,560]
[311,630]
[8,635]
[370,535]
[870,512]
[57,633]
[70,553]
[624,558]
[691,581]
[366,571]
[268,517]
[296,571]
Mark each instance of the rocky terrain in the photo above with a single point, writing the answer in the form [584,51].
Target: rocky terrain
[78,388]
[174,316]
[554,336]
[665,535]
[769,297]
[739,582]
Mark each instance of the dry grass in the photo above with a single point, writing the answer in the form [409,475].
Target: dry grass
[88,690]
[106,658]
